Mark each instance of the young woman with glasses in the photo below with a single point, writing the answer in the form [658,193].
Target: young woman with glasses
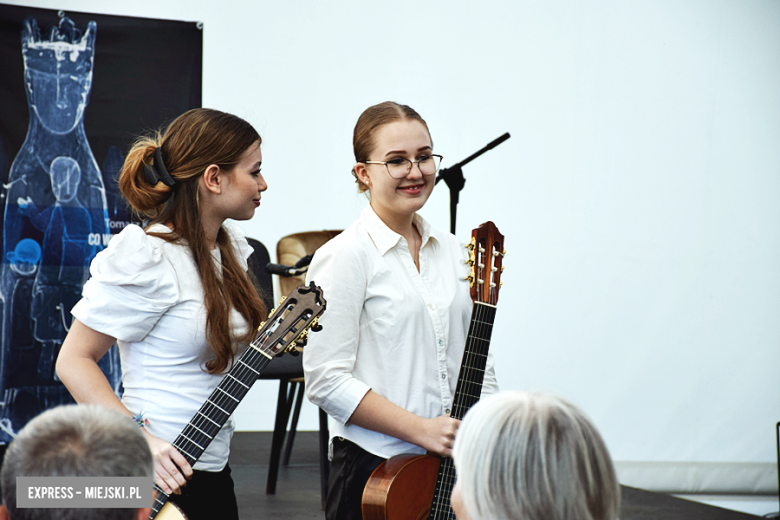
[386,363]
[175,296]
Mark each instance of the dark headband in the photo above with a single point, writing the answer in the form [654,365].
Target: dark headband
[157,172]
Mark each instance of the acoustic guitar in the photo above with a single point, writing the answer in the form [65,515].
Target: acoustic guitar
[288,323]
[416,487]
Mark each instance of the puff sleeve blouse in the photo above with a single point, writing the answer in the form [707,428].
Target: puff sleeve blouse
[146,293]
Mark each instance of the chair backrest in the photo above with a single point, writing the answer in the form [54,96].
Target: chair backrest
[293,247]
[262,280]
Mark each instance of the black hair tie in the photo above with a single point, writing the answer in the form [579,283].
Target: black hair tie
[158,172]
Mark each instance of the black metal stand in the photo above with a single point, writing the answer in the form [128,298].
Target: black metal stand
[453,178]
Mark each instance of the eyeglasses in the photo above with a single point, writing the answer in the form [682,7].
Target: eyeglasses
[400,167]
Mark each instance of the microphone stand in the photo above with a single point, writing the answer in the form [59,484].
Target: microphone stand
[453,178]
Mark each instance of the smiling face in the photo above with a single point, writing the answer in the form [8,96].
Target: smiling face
[243,185]
[396,200]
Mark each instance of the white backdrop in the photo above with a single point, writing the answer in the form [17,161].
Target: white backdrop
[638,193]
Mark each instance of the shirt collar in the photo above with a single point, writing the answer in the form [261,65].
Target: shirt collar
[385,238]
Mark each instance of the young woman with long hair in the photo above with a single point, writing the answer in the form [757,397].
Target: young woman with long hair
[175,296]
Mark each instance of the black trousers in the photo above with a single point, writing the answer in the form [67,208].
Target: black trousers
[208,495]
[349,471]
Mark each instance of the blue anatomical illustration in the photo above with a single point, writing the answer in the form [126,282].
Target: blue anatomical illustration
[55,221]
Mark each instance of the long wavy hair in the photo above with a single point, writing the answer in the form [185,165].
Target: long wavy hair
[192,142]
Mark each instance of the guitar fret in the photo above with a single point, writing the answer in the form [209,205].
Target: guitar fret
[238,381]
[227,394]
[209,419]
[467,392]
[206,423]
[193,442]
[187,454]
[250,368]
[217,407]
[201,431]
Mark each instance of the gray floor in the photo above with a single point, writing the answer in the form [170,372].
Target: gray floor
[298,486]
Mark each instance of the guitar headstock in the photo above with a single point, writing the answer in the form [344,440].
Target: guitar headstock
[486,255]
[291,321]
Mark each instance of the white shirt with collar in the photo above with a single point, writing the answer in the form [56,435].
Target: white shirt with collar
[388,327]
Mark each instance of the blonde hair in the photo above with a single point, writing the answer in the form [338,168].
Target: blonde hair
[191,143]
[367,124]
[533,456]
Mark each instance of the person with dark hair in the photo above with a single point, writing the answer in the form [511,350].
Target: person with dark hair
[532,456]
[75,441]
[386,364]
[175,296]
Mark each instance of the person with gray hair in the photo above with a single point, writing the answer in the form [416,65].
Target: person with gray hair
[75,441]
[532,456]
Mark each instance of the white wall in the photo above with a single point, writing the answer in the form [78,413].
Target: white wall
[638,193]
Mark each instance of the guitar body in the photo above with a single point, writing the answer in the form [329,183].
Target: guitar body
[417,487]
[401,488]
[170,511]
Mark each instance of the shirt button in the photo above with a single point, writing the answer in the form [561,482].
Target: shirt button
[441,342]
[447,410]
[443,377]
[431,306]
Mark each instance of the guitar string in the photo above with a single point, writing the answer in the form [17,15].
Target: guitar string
[445,471]
[476,356]
[225,397]
[207,430]
[464,393]
[199,432]
[204,425]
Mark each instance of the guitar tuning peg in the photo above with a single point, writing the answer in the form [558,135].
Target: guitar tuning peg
[315,325]
[303,339]
[292,351]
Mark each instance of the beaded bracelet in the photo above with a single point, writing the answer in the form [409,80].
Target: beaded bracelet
[140,420]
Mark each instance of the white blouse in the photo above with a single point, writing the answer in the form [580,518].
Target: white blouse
[388,327]
[146,293]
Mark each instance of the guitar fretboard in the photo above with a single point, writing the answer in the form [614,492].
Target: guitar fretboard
[467,392]
[206,423]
